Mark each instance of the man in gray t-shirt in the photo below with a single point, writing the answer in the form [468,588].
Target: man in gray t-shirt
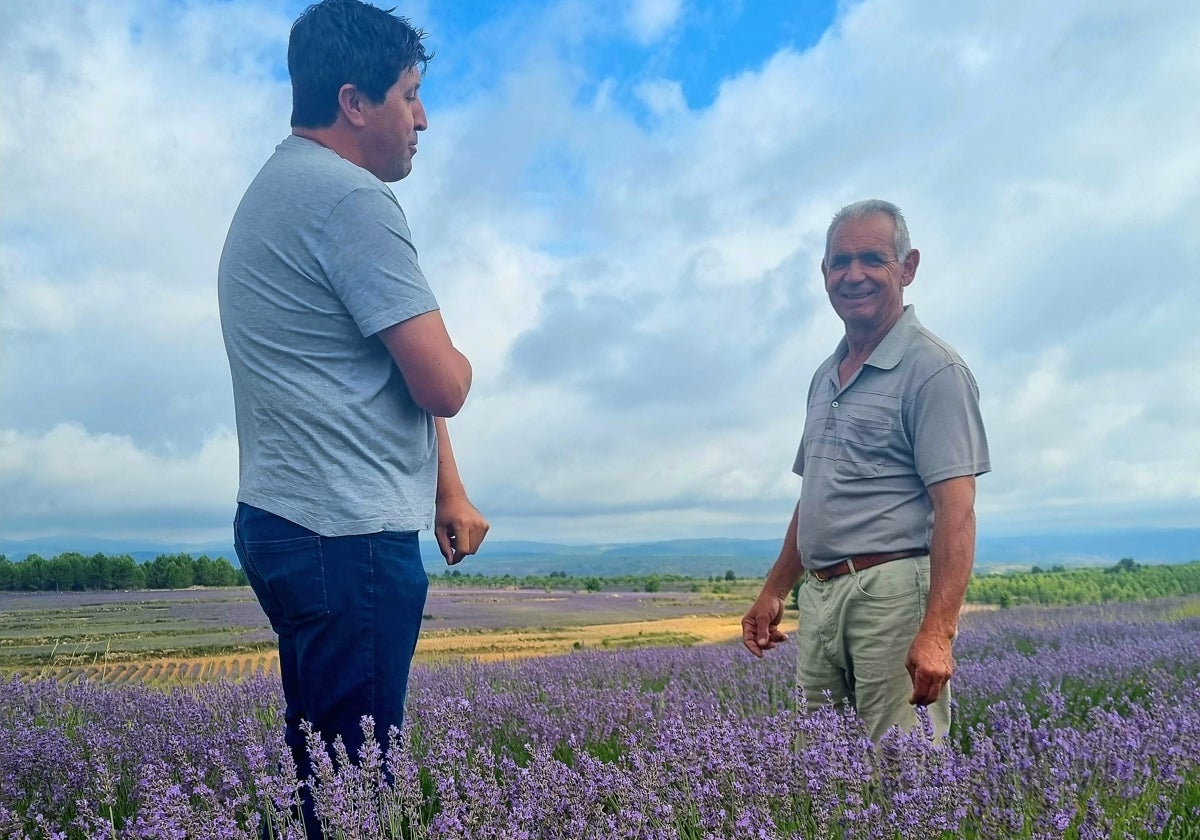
[884,532]
[343,375]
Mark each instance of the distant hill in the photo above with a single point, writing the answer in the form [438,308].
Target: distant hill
[1093,548]
[694,557]
[140,550]
[698,557]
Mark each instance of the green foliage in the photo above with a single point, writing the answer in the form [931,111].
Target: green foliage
[454,578]
[1126,581]
[1125,564]
[75,572]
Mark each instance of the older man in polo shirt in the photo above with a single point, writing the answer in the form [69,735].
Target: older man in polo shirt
[884,532]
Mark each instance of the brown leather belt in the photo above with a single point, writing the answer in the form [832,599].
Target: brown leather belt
[865,561]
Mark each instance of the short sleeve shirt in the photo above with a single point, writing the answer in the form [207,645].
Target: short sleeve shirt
[318,259]
[909,418]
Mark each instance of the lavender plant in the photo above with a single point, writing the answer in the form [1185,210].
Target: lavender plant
[1077,723]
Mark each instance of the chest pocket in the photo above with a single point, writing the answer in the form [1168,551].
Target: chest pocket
[863,444]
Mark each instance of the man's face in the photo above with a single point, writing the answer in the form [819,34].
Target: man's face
[863,277]
[390,134]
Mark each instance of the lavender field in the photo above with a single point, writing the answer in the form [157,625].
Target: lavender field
[1076,723]
[88,633]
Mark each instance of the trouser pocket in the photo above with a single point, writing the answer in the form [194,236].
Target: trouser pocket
[291,579]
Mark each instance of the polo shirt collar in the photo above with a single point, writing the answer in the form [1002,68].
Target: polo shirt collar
[891,350]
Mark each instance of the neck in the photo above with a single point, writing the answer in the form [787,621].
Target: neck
[334,139]
[863,339]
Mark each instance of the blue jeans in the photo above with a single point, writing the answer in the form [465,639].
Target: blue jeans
[347,611]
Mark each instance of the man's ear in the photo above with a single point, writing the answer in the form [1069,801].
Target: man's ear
[350,105]
[908,268]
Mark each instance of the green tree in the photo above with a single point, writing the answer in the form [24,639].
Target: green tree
[1125,564]
[170,571]
[209,572]
[97,572]
[62,572]
[125,573]
[33,573]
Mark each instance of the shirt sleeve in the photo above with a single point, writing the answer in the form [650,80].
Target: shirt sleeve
[372,264]
[947,427]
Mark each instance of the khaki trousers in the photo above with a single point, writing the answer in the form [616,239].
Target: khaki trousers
[854,635]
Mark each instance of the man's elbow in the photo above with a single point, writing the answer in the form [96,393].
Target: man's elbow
[447,397]
[443,405]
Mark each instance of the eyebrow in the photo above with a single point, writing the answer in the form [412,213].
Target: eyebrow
[847,256]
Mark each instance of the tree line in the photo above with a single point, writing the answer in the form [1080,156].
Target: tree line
[75,572]
[452,579]
[1128,580]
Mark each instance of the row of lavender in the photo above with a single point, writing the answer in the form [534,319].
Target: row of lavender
[1074,723]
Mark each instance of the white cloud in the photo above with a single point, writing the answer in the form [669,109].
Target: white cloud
[649,20]
[641,302]
[67,480]
[662,97]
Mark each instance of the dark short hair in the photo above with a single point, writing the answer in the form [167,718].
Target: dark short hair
[338,42]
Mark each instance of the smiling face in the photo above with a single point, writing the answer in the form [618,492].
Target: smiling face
[389,134]
[864,278]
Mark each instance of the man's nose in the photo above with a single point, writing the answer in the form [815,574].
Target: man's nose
[420,121]
[856,270]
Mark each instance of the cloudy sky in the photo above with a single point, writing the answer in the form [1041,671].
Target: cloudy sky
[621,207]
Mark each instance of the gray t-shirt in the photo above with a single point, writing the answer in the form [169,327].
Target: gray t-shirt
[909,418]
[318,259]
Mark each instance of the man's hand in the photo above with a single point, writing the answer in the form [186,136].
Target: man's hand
[930,664]
[760,625]
[458,527]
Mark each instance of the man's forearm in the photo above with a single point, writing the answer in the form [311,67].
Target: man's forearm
[449,483]
[788,567]
[951,554]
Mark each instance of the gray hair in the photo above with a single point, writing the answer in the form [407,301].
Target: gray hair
[869,207]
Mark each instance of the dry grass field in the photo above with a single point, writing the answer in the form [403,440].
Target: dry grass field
[193,636]
[435,647]
[512,644]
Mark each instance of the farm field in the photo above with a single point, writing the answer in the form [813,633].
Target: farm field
[1075,722]
[185,636]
